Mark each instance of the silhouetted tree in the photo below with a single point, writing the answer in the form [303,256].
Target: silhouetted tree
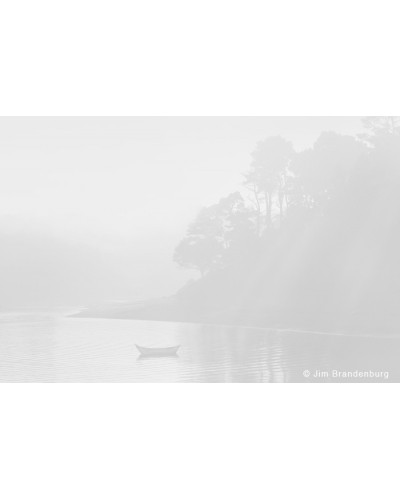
[333,261]
[251,185]
[218,232]
[380,127]
[321,172]
[198,253]
[267,177]
[238,227]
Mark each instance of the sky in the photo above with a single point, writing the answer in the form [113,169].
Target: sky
[136,176]
[130,186]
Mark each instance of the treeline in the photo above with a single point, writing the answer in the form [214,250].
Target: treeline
[316,230]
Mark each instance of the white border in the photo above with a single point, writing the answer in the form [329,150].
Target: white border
[216,58]
[198,441]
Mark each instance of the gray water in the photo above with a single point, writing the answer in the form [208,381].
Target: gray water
[39,345]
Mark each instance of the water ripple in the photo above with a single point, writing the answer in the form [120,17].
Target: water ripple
[47,346]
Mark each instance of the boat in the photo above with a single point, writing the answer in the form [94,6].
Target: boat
[157,351]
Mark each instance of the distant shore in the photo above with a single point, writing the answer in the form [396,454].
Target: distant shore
[160,309]
[175,310]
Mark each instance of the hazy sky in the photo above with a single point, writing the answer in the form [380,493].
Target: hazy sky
[134,177]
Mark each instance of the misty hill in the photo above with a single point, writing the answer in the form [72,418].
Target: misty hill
[317,247]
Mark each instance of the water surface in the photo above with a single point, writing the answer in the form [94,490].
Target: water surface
[39,345]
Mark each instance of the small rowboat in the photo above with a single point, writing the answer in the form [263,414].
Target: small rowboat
[157,351]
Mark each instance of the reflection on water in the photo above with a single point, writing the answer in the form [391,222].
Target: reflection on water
[47,346]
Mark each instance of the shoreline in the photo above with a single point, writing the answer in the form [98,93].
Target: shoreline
[171,309]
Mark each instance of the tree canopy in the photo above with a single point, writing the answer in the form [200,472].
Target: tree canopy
[217,235]
[318,230]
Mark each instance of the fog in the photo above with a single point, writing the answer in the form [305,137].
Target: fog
[93,208]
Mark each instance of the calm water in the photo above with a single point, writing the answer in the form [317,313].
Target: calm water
[39,345]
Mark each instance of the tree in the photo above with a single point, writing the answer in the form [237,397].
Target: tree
[198,253]
[383,139]
[251,185]
[234,218]
[267,177]
[237,227]
[321,172]
[380,127]
[218,232]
